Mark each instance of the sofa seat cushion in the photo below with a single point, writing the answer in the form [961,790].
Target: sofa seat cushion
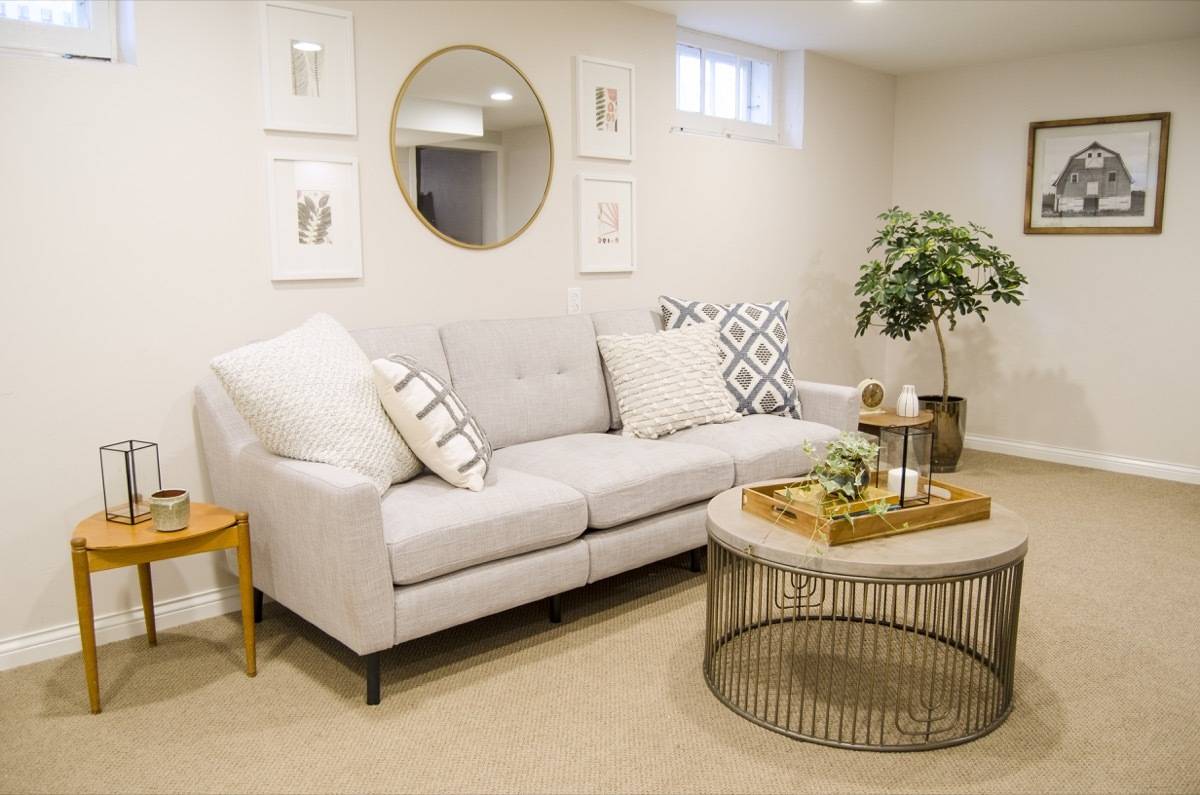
[432,528]
[624,478]
[763,446]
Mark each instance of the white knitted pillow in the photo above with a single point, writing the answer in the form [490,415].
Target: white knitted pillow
[433,421]
[310,394]
[667,381]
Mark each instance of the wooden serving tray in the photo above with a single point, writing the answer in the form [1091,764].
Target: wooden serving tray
[803,516]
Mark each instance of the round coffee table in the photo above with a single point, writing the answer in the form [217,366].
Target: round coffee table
[901,643]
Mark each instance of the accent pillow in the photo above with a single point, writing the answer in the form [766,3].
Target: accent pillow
[433,421]
[754,350]
[309,394]
[667,381]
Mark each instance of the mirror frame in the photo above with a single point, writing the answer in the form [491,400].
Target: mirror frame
[396,166]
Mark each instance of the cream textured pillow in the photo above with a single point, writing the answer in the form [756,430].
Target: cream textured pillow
[309,394]
[667,381]
[433,421]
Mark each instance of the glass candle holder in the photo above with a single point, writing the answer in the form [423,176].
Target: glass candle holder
[129,473]
[903,465]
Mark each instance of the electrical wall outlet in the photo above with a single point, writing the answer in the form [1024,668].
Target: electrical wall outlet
[574,300]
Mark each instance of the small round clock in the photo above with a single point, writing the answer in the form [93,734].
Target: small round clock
[871,393]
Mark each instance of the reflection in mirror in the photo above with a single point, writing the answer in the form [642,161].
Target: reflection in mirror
[471,147]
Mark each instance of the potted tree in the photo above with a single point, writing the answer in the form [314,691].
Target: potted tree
[933,273]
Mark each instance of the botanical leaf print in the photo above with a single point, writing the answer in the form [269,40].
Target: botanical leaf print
[606,109]
[313,217]
[307,66]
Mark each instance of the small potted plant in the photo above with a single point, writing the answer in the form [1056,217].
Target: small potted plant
[933,273]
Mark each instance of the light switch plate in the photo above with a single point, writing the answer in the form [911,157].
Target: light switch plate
[574,300]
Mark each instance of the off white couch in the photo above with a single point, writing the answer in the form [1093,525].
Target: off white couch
[567,501]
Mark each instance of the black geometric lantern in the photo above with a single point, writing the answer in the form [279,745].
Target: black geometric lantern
[904,461]
[129,473]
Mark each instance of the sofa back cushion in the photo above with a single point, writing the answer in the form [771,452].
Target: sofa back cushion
[420,341]
[528,379]
[623,321]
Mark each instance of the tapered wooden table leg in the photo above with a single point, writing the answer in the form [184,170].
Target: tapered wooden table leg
[87,627]
[246,584]
[147,601]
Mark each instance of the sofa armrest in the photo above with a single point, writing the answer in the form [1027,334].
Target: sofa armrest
[829,404]
[316,532]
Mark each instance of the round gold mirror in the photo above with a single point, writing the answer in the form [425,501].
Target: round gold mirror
[471,147]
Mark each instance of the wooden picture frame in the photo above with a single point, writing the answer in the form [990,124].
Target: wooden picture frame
[1095,186]
[605,223]
[315,220]
[308,68]
[604,132]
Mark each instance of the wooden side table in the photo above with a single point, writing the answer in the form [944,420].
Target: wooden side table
[97,545]
[871,422]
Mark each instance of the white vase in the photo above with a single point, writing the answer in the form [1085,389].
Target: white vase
[907,404]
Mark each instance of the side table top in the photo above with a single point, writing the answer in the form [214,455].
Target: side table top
[888,418]
[952,551]
[101,534]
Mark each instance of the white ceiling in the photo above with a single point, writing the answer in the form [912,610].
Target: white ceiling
[468,77]
[905,36]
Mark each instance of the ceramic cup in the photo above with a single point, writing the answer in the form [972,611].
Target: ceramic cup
[171,509]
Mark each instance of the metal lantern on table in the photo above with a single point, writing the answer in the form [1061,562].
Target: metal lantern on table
[903,467]
[129,474]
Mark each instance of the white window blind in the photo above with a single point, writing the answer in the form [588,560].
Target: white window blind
[60,27]
[726,87]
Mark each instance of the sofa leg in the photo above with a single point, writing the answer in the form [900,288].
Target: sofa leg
[555,605]
[372,661]
[694,560]
[258,600]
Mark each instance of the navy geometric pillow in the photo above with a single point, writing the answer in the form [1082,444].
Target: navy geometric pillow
[754,350]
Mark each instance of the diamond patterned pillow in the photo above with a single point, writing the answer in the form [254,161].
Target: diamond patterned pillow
[754,350]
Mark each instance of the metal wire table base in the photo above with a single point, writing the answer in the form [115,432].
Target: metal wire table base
[880,665]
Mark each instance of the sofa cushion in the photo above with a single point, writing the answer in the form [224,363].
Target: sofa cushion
[421,341]
[528,379]
[763,446]
[432,528]
[623,321]
[667,380]
[624,478]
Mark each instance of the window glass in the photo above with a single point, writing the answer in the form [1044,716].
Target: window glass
[63,13]
[755,85]
[688,83]
[720,85]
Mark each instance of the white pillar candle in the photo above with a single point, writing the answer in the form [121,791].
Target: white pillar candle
[910,481]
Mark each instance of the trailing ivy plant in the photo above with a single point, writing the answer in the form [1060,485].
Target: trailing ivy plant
[933,272]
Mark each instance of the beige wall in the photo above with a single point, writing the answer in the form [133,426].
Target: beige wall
[1103,355]
[135,245]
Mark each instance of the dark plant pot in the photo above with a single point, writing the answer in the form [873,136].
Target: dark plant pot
[949,429]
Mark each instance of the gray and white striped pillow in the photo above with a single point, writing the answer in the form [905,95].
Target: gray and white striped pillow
[433,420]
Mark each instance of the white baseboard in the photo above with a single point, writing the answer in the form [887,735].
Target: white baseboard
[1085,458]
[45,644]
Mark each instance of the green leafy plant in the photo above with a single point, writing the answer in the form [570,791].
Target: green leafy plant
[933,272]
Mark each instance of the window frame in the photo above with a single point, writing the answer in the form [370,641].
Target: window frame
[97,41]
[730,128]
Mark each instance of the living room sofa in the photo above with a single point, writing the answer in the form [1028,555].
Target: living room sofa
[567,501]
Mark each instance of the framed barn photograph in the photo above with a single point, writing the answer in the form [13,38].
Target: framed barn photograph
[1105,175]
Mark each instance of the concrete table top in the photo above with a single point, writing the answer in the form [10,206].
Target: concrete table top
[952,551]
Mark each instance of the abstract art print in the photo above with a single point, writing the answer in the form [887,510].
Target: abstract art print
[604,108]
[605,223]
[315,226]
[308,68]
[1104,175]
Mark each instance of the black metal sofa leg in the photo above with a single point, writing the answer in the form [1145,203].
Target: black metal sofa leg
[258,599]
[555,605]
[372,661]
[694,560]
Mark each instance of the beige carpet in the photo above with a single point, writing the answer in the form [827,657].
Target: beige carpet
[1107,686]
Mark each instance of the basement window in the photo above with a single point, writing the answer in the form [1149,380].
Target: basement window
[71,28]
[725,87]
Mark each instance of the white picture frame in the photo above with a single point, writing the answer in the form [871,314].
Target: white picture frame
[315,224]
[606,217]
[604,132]
[306,89]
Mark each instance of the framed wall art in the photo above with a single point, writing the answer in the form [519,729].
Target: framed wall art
[315,226]
[1105,175]
[606,217]
[603,108]
[308,68]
